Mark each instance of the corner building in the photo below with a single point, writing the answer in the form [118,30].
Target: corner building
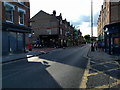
[15,27]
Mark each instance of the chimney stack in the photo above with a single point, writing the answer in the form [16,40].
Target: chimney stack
[54,12]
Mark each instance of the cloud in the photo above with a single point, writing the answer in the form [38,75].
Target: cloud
[81,20]
[77,12]
[85,18]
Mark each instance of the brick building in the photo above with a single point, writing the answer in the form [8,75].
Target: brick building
[51,30]
[15,26]
[109,26]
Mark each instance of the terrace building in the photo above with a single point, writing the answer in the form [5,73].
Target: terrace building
[15,27]
[50,30]
[109,26]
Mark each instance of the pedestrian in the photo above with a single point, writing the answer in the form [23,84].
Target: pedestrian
[96,46]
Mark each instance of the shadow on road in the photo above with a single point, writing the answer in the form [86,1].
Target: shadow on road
[67,66]
[73,57]
[24,74]
[59,69]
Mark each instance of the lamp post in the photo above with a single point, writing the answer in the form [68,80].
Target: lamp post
[92,47]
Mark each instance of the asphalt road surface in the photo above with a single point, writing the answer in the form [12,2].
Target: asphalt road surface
[61,68]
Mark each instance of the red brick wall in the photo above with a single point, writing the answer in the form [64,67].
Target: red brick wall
[26,8]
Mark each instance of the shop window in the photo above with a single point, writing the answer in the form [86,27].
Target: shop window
[12,42]
[116,41]
[20,42]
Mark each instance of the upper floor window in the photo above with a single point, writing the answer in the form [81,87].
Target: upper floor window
[9,12]
[61,31]
[21,16]
[21,2]
[61,22]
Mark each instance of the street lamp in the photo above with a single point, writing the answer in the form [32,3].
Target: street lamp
[92,47]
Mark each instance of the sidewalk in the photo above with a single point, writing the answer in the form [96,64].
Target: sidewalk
[101,55]
[104,71]
[29,54]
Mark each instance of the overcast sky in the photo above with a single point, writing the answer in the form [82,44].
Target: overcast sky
[77,12]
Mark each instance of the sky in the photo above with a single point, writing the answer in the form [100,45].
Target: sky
[77,12]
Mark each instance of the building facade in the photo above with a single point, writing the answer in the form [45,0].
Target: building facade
[46,29]
[108,26]
[51,30]
[15,26]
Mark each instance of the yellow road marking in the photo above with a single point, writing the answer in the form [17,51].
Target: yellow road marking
[85,76]
[113,62]
[109,86]
[93,74]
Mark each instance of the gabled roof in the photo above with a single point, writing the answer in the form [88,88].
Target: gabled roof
[41,11]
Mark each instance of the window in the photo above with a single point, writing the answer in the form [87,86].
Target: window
[61,22]
[49,31]
[30,23]
[9,9]
[61,31]
[21,16]
[21,3]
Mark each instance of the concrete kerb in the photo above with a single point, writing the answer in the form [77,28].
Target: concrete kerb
[25,57]
[29,56]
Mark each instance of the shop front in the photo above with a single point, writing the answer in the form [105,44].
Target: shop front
[112,38]
[49,40]
[13,39]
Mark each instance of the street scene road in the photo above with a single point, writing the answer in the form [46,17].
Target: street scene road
[60,68]
[60,47]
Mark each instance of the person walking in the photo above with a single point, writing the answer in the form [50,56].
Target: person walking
[96,46]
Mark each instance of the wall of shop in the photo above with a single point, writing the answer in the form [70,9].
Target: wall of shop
[12,42]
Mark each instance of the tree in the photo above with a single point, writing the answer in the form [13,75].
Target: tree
[87,37]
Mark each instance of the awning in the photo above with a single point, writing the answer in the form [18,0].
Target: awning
[18,30]
[15,28]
